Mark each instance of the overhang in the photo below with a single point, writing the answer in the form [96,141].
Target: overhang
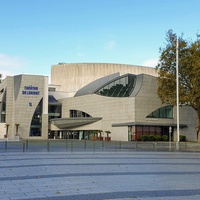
[65,123]
[147,124]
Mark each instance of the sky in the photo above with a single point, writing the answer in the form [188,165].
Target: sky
[36,34]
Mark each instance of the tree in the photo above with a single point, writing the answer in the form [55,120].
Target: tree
[189,73]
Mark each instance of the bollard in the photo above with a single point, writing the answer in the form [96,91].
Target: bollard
[72,145]
[23,146]
[6,144]
[115,146]
[136,145]
[102,145]
[94,146]
[154,146]
[66,144]
[26,144]
[85,147]
[48,145]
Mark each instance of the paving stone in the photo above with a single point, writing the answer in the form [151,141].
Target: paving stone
[100,175]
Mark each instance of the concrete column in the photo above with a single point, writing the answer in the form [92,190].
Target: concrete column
[80,135]
[60,134]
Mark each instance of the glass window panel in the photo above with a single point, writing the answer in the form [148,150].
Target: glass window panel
[131,84]
[169,112]
[145,130]
[78,113]
[163,112]
[117,88]
[52,99]
[152,130]
[123,81]
[111,89]
[122,87]
[35,129]
[156,113]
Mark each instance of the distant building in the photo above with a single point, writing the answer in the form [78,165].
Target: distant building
[89,101]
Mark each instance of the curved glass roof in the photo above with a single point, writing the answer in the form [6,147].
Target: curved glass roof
[163,112]
[121,87]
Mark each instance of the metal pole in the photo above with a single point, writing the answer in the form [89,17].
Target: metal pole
[94,146]
[6,144]
[102,145]
[47,145]
[85,147]
[24,144]
[66,145]
[177,95]
[72,145]
[170,140]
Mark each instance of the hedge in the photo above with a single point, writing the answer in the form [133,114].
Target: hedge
[160,138]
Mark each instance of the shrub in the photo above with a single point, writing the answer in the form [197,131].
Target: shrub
[143,137]
[157,137]
[182,138]
[165,138]
[151,138]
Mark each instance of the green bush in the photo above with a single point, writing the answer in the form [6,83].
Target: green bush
[182,138]
[150,137]
[165,138]
[143,137]
[157,138]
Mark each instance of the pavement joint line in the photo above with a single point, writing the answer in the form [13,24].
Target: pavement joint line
[99,175]
[125,194]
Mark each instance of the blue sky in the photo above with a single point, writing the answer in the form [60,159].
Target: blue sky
[35,34]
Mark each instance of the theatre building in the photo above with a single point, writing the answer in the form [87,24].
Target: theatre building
[89,101]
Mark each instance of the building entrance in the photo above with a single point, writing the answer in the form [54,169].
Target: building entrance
[135,132]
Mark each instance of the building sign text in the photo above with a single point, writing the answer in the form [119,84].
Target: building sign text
[30,90]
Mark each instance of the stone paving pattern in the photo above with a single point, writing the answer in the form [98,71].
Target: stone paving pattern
[99,175]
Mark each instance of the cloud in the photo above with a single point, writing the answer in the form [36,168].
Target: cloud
[10,65]
[151,62]
[110,45]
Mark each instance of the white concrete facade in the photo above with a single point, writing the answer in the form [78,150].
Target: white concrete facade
[72,77]
[23,93]
[70,89]
[116,110]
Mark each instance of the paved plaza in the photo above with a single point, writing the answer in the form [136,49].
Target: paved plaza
[107,175]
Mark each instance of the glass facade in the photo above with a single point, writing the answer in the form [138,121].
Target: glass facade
[164,112]
[54,108]
[135,132]
[35,129]
[78,113]
[122,87]
[3,107]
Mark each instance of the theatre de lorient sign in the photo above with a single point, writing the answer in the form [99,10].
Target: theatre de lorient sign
[30,90]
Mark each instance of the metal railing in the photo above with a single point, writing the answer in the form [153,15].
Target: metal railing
[88,145]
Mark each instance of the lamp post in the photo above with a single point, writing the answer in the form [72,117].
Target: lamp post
[177,95]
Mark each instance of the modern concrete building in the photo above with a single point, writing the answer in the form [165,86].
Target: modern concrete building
[72,77]
[89,101]
[24,107]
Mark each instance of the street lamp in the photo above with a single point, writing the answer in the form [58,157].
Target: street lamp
[177,96]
